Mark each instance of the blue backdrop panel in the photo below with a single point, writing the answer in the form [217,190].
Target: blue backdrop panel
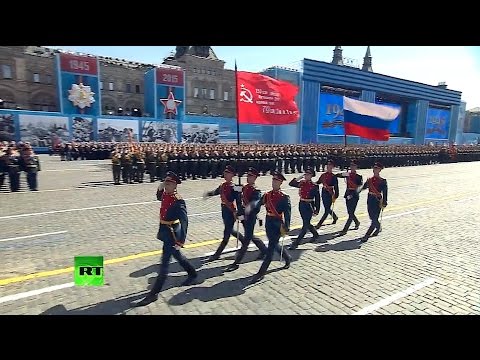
[438,123]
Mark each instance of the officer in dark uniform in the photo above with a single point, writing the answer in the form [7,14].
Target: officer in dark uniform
[173,232]
[116,167]
[13,163]
[354,182]
[3,164]
[163,159]
[140,160]
[329,193]
[214,163]
[229,205]
[309,205]
[376,201]
[249,197]
[30,163]
[277,223]
[195,161]
[151,163]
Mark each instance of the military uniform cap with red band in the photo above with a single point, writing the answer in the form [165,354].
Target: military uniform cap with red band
[172,177]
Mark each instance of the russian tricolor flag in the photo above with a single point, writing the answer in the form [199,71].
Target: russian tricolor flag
[367,120]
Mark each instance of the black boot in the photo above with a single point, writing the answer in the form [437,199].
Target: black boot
[368,234]
[377,231]
[316,235]
[357,225]
[335,218]
[190,279]
[232,267]
[257,277]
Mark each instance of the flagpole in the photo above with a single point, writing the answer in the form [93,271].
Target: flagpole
[344,130]
[238,142]
[238,121]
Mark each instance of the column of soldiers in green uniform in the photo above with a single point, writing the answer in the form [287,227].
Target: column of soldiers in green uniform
[198,161]
[15,159]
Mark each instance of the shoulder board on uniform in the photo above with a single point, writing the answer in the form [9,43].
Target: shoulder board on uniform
[178,197]
[283,193]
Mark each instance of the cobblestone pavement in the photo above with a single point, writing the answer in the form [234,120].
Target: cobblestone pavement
[424,262]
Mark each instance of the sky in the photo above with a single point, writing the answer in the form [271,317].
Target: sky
[457,66]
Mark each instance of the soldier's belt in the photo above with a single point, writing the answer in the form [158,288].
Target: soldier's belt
[274,215]
[169,223]
[306,200]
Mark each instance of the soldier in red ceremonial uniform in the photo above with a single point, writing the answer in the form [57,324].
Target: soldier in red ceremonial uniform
[229,204]
[329,193]
[354,182]
[309,204]
[173,232]
[249,197]
[277,223]
[376,201]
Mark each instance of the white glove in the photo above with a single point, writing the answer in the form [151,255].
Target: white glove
[177,247]
[299,178]
[349,197]
[248,209]
[346,173]
[238,188]
[161,186]
[241,218]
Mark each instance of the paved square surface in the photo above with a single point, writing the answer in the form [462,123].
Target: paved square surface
[424,262]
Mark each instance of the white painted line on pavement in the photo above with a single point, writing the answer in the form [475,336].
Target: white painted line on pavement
[52,190]
[371,308]
[27,294]
[233,249]
[404,213]
[86,208]
[60,170]
[33,236]
[72,210]
[207,213]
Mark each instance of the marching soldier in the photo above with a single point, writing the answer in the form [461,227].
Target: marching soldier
[250,195]
[229,210]
[354,182]
[116,167]
[31,165]
[277,223]
[173,232]
[329,193]
[309,204]
[376,201]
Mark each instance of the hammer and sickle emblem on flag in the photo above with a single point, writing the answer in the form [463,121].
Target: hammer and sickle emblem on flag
[246,95]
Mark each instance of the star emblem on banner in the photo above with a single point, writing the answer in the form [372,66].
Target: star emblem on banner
[170,104]
[81,95]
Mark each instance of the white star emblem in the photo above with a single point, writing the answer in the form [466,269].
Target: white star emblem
[170,104]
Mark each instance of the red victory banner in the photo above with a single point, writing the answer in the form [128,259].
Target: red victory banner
[263,100]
